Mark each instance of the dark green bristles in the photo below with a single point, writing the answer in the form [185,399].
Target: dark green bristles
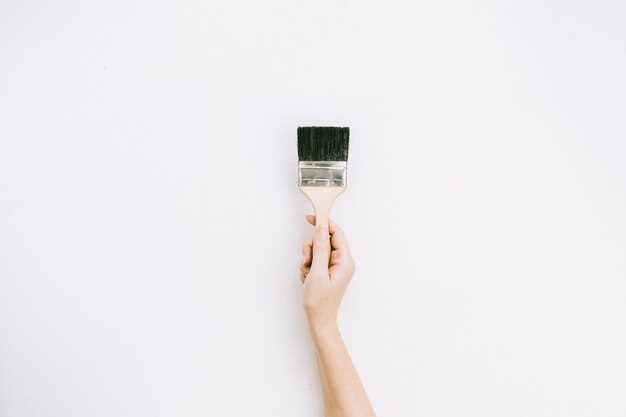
[323,143]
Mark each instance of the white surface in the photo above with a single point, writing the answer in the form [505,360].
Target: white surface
[150,225]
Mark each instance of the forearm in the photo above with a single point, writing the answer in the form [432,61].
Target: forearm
[344,395]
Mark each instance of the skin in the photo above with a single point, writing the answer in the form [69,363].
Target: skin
[324,284]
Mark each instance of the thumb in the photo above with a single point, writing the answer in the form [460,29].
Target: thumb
[321,244]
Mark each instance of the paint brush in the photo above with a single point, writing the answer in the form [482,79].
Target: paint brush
[322,166]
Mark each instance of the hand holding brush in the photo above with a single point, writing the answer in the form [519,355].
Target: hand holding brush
[327,268]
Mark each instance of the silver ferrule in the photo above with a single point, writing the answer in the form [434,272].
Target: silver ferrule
[322,173]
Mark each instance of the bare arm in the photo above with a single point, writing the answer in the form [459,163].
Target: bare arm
[323,289]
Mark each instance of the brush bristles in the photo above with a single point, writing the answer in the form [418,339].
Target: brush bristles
[323,143]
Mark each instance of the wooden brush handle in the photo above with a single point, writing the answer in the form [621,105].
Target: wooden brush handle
[322,199]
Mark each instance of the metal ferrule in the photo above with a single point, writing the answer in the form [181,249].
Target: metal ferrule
[322,173]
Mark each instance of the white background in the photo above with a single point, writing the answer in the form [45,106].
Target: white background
[150,223]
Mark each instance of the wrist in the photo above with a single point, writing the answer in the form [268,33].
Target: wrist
[320,326]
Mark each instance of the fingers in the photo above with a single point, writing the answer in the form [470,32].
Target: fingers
[342,258]
[305,267]
[315,251]
[338,238]
[321,242]
[307,250]
[307,257]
